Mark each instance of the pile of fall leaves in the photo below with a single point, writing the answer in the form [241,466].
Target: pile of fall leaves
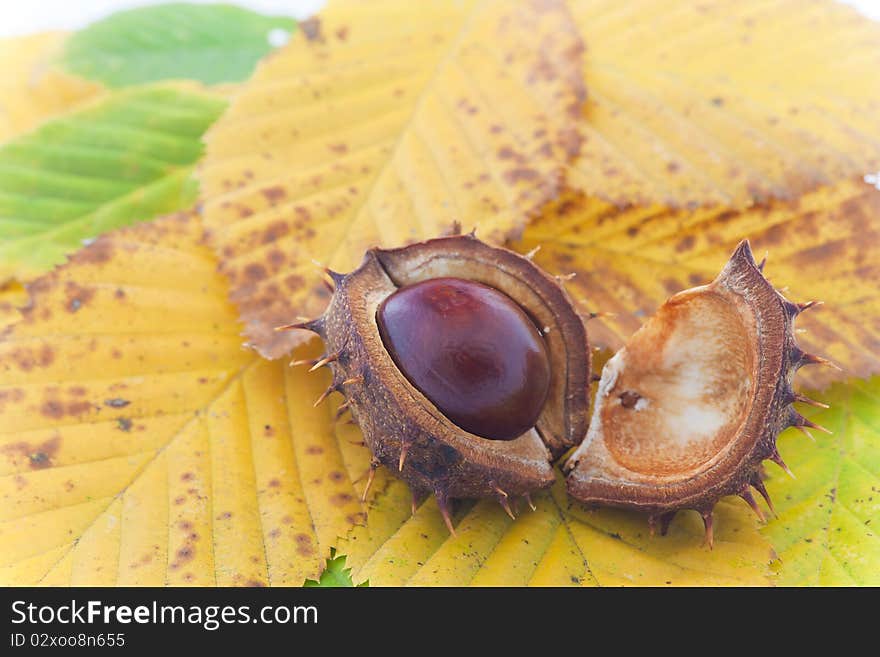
[636,143]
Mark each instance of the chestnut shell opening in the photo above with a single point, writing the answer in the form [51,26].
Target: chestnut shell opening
[682,388]
[687,411]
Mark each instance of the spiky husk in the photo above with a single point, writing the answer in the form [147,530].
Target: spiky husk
[738,471]
[404,431]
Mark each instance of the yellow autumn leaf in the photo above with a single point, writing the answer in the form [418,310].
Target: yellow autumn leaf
[708,101]
[383,123]
[140,444]
[31,88]
[557,544]
[822,246]
[12,297]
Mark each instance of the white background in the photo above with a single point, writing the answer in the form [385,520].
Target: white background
[27,16]
[19,17]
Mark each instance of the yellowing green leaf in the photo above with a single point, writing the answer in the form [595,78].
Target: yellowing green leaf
[827,529]
[701,101]
[822,246]
[31,89]
[139,444]
[125,158]
[385,124]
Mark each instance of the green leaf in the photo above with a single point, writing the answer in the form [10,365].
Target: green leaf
[209,43]
[125,159]
[335,575]
[828,529]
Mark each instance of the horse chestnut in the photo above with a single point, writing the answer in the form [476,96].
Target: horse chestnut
[466,367]
[470,350]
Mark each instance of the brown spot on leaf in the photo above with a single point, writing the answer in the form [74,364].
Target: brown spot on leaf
[304,545]
[79,408]
[56,408]
[123,424]
[507,153]
[274,483]
[672,286]
[339,149]
[311,28]
[276,259]
[314,449]
[38,457]
[340,499]
[336,476]
[47,356]
[26,359]
[685,243]
[255,272]
[77,296]
[829,251]
[303,215]
[274,194]
[275,231]
[520,174]
[99,252]
[184,555]
[542,71]
[570,140]
[116,402]
[12,396]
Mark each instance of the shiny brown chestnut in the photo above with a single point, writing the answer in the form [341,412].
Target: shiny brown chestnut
[466,367]
[470,350]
